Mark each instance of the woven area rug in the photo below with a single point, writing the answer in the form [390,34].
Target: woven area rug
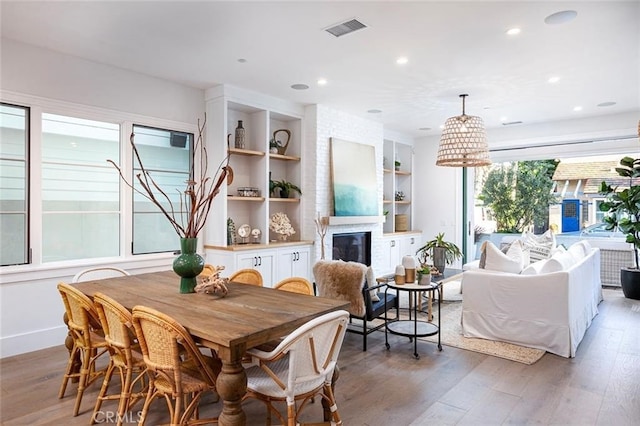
[452,336]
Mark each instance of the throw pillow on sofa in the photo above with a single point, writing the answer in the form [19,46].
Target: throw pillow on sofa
[516,258]
[540,246]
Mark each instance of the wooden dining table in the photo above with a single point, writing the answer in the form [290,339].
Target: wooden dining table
[247,317]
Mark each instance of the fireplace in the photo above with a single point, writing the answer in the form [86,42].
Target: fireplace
[352,246]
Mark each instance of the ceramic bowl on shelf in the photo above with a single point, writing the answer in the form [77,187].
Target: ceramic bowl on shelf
[248,191]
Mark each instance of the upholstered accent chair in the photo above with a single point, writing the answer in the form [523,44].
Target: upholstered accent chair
[355,283]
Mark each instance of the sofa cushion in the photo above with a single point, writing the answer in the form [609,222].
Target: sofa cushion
[539,246]
[558,262]
[516,258]
[534,268]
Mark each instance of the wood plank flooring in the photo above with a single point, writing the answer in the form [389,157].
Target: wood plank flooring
[600,386]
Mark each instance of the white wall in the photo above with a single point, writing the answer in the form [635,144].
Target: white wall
[30,307]
[44,73]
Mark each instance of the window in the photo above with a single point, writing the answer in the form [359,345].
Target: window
[166,155]
[14,178]
[80,190]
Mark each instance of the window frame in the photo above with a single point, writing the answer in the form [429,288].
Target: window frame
[27,182]
[38,106]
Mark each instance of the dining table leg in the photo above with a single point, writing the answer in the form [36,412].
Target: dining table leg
[231,385]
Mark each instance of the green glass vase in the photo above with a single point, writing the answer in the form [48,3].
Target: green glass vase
[188,264]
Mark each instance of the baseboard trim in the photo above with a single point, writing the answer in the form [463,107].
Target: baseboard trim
[18,344]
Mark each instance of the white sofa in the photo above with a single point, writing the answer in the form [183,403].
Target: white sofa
[543,310]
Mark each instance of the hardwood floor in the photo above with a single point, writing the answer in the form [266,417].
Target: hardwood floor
[600,386]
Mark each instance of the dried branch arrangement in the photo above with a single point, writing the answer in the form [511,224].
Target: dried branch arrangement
[197,196]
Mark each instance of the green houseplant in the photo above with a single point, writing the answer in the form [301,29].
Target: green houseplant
[623,208]
[442,252]
[285,188]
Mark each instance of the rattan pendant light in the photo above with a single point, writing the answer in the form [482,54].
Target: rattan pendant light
[463,142]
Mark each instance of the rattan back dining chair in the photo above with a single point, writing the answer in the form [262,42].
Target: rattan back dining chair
[178,371]
[99,273]
[88,343]
[299,368]
[247,276]
[117,324]
[295,285]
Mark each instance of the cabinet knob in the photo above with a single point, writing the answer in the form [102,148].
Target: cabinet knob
[393,243]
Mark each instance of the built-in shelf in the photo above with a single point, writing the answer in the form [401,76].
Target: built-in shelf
[387,170]
[284,157]
[246,152]
[387,201]
[285,200]
[403,202]
[403,173]
[237,198]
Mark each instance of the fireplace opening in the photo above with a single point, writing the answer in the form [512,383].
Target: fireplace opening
[352,246]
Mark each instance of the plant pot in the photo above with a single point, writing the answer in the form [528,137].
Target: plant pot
[188,264]
[439,258]
[630,280]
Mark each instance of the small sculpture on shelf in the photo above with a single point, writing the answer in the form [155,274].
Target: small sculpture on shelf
[281,147]
[280,224]
[399,196]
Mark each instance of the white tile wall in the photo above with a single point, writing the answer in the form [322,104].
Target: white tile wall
[321,124]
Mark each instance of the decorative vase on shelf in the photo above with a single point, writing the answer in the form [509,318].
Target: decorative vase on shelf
[282,237]
[239,135]
[188,264]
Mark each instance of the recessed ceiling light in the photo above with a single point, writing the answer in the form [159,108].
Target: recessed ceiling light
[424,128]
[299,86]
[577,108]
[606,104]
[374,111]
[513,31]
[242,60]
[503,119]
[322,81]
[561,17]
[402,60]
[554,79]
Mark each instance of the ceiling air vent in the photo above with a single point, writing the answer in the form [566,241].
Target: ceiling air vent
[346,28]
[511,123]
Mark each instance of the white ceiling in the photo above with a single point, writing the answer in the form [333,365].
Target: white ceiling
[453,48]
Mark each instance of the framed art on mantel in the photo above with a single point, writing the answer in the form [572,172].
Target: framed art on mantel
[353,172]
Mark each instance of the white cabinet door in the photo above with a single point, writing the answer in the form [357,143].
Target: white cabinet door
[391,256]
[293,262]
[261,260]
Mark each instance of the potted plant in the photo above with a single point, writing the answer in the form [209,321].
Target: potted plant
[442,252]
[397,165]
[424,274]
[285,188]
[623,208]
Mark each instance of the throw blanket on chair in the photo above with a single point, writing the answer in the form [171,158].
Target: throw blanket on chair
[337,279]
